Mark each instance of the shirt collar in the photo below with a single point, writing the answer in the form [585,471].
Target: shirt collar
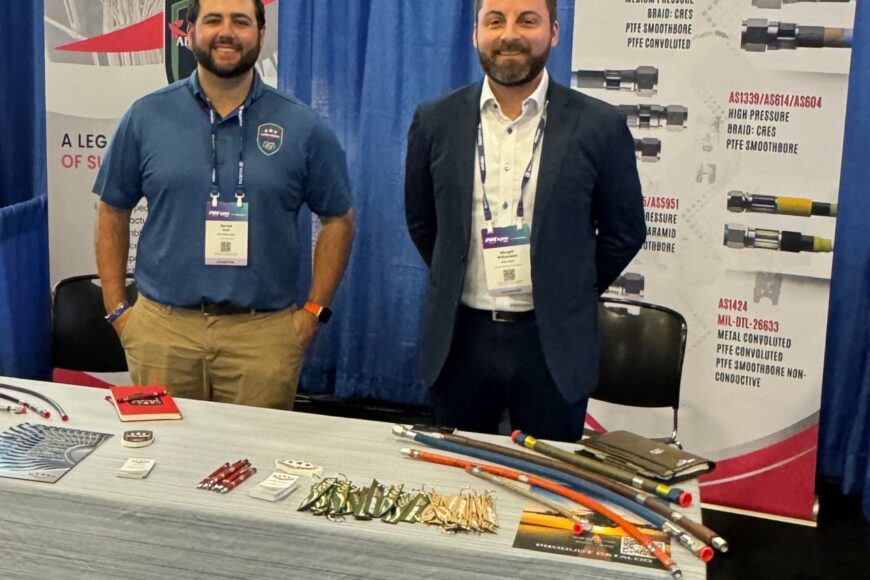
[254,94]
[537,98]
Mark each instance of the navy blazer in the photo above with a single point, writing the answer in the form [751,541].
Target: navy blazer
[588,222]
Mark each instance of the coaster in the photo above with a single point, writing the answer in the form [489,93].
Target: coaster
[137,438]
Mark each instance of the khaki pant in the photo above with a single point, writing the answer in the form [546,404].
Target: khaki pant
[248,359]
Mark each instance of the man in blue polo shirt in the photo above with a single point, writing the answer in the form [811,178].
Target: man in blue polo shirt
[225,163]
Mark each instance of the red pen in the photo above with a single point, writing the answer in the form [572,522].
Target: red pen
[227,487]
[226,473]
[216,473]
[235,467]
[142,396]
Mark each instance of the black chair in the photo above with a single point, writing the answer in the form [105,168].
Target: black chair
[642,351]
[81,339]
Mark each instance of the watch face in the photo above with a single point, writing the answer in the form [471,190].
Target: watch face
[325,315]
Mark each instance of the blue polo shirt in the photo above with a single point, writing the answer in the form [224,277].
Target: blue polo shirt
[162,151]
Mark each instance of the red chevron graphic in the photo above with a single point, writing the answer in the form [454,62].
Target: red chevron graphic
[145,35]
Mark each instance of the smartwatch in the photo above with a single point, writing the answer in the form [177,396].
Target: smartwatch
[322,313]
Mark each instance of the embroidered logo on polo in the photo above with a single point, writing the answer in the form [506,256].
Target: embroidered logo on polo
[269,138]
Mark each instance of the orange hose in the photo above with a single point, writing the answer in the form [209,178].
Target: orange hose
[574,496]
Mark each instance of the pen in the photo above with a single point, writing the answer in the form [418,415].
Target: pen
[234,470]
[216,473]
[141,396]
[244,475]
[226,473]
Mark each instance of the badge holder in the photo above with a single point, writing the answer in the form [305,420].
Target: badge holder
[226,223]
[507,259]
[507,256]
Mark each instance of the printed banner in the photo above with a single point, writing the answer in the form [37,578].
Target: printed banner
[738,113]
[100,57]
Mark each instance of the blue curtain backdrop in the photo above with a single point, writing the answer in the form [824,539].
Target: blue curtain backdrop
[366,66]
[24,285]
[22,114]
[844,443]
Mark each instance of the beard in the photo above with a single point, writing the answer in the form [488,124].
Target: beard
[244,64]
[515,72]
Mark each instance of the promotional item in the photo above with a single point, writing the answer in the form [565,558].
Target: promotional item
[145,403]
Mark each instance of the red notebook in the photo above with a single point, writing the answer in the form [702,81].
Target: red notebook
[143,409]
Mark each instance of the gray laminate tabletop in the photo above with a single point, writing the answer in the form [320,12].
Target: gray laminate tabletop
[92,524]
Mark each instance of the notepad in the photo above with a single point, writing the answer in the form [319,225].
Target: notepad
[145,409]
[136,468]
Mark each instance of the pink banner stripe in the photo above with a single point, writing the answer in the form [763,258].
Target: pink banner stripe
[766,456]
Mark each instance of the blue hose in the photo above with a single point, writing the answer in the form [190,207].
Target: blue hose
[570,480]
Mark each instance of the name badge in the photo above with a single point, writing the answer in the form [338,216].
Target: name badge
[226,234]
[507,260]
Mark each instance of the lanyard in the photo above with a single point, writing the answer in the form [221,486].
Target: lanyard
[527,176]
[240,185]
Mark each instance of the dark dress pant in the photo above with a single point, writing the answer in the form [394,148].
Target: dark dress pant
[496,366]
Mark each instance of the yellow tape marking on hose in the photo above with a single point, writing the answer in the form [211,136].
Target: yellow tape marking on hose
[794,206]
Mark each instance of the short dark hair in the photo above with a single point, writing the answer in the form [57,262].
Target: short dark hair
[552,7]
[259,9]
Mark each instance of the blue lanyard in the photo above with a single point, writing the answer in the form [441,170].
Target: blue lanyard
[240,185]
[527,176]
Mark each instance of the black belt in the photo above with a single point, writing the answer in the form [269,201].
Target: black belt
[502,315]
[209,308]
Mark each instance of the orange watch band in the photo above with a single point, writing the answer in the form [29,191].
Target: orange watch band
[313,308]
[322,313]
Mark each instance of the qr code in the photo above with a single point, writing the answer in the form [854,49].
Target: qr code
[510,275]
[631,547]
[226,247]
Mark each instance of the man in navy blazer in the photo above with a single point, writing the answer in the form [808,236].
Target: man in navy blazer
[523,199]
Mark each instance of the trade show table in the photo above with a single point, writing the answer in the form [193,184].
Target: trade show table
[93,524]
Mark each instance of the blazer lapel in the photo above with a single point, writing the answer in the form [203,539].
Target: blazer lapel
[557,138]
[466,122]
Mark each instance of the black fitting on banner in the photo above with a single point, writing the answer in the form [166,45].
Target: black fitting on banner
[647,149]
[760,35]
[777,4]
[738,236]
[628,284]
[654,116]
[643,80]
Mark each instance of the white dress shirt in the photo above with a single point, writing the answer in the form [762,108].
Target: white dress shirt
[509,146]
